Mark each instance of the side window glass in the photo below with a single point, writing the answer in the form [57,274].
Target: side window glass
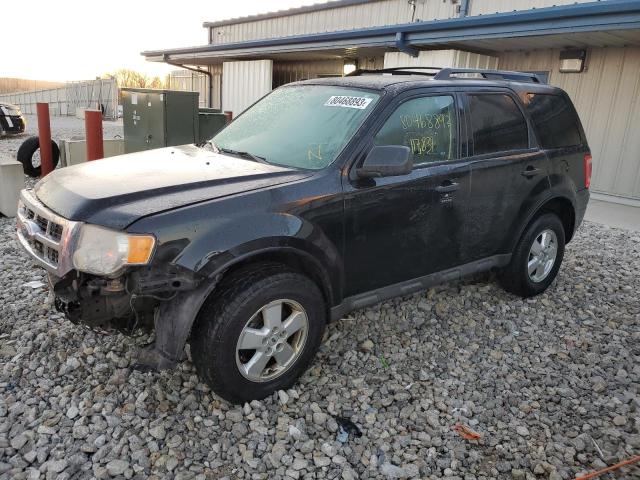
[498,124]
[554,119]
[427,125]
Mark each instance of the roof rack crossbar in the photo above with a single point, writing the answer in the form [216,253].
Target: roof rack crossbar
[427,71]
[449,74]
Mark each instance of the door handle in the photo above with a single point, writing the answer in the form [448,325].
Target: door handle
[448,187]
[531,172]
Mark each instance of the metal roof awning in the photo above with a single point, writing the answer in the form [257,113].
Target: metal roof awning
[606,23]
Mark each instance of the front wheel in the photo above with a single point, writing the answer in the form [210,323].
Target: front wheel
[536,258]
[258,332]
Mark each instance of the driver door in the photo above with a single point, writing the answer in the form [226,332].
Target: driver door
[405,227]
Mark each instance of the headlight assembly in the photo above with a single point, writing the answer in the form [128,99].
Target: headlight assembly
[101,251]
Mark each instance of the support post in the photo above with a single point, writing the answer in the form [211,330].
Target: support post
[93,131]
[44,136]
[229,115]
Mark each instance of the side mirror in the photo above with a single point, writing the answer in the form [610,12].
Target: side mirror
[387,161]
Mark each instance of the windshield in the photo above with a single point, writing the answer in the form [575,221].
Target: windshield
[302,126]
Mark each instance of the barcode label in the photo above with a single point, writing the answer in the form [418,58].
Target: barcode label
[349,102]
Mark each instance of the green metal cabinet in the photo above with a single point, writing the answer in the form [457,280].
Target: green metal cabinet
[210,122]
[158,118]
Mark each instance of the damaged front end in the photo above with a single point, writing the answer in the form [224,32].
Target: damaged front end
[160,298]
[106,280]
[102,304]
[122,304]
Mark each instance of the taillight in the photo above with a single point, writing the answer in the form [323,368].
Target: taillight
[588,168]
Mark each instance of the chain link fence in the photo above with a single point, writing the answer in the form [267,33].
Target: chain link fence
[73,96]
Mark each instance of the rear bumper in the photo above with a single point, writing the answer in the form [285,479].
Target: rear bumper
[582,200]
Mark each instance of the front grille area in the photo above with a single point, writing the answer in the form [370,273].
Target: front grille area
[55,231]
[50,230]
[44,234]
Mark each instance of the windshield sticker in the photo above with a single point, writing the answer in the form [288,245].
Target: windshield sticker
[349,102]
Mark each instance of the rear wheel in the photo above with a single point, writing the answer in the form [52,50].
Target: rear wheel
[258,332]
[536,258]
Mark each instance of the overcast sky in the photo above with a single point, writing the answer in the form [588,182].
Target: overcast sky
[78,40]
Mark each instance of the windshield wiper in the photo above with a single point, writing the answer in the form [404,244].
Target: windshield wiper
[250,156]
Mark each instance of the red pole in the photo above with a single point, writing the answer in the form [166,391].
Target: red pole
[44,135]
[93,129]
[229,115]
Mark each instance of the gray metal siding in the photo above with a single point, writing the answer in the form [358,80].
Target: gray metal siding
[440,58]
[187,80]
[376,13]
[287,72]
[484,7]
[243,83]
[606,96]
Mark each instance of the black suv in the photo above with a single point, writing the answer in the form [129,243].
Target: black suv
[325,196]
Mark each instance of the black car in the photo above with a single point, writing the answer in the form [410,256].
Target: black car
[11,120]
[325,196]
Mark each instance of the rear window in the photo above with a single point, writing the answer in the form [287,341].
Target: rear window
[498,124]
[555,120]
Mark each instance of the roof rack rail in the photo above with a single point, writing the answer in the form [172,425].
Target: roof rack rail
[438,73]
[449,74]
[427,71]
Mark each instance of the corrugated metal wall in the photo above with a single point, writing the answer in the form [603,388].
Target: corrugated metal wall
[245,82]
[187,80]
[474,60]
[607,97]
[433,58]
[375,13]
[483,7]
[440,58]
[287,72]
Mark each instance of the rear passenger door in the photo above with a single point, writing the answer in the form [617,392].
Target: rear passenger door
[507,171]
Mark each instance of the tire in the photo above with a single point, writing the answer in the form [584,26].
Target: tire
[221,329]
[516,277]
[26,152]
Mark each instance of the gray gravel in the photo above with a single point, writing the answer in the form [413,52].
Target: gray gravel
[548,382]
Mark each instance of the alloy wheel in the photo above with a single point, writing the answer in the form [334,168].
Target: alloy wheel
[542,255]
[272,340]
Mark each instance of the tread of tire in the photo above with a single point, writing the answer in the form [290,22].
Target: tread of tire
[232,293]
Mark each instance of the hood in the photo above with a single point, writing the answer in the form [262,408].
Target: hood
[117,191]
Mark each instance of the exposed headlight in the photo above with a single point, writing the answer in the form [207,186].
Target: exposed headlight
[101,251]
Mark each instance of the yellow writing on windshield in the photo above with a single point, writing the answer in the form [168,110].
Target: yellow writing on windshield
[314,152]
[422,121]
[422,145]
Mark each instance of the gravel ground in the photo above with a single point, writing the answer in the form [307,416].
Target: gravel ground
[61,127]
[543,381]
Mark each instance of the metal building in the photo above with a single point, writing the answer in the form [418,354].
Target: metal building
[590,49]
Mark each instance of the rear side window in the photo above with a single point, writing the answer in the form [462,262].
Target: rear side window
[427,125]
[497,123]
[555,120]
